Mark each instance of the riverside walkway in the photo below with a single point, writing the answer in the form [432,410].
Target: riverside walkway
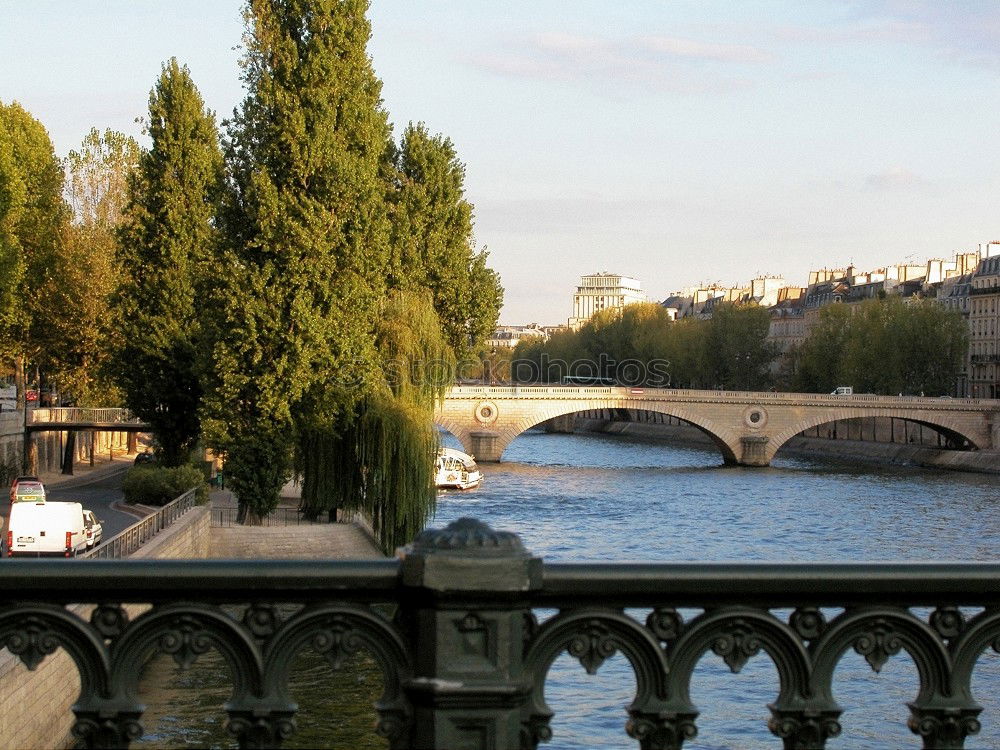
[308,541]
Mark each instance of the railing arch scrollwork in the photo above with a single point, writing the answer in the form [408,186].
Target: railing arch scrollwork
[33,632]
[942,717]
[592,636]
[736,634]
[338,631]
[185,631]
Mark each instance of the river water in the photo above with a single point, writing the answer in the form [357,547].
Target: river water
[615,498]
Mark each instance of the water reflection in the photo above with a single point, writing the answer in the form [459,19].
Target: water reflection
[185,708]
[618,498]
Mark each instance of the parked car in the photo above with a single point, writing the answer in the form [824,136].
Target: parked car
[146,457]
[27,488]
[94,528]
[49,529]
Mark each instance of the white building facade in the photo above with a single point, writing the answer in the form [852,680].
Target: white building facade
[601,291]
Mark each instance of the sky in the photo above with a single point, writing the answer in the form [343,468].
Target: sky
[676,142]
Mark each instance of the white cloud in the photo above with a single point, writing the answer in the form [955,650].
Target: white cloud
[646,63]
[570,43]
[894,177]
[691,49]
[967,32]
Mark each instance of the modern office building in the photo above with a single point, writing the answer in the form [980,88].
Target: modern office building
[600,291]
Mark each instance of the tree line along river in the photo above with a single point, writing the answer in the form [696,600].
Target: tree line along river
[615,498]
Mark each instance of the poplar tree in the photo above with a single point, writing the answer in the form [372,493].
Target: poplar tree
[33,221]
[305,241]
[433,245]
[167,245]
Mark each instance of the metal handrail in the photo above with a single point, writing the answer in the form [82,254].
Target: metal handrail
[693,584]
[77,415]
[227,517]
[125,543]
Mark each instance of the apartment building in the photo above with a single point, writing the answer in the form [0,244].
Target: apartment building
[984,327]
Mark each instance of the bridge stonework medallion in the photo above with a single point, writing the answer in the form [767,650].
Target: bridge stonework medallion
[747,427]
[755,417]
[486,412]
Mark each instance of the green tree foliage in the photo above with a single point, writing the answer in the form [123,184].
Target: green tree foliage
[432,239]
[935,341]
[13,195]
[885,346]
[73,328]
[381,460]
[820,358]
[167,245]
[729,350]
[737,352]
[686,352]
[33,219]
[306,240]
[485,300]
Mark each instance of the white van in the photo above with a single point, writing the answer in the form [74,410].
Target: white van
[36,529]
[843,390]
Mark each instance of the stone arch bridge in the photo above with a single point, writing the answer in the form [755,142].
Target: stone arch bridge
[748,427]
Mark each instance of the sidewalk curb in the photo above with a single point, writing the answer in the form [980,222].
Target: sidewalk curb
[139,511]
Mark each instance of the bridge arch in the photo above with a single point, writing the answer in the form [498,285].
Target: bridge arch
[460,431]
[720,436]
[507,429]
[950,428]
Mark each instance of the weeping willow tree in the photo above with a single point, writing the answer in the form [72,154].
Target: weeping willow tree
[378,457]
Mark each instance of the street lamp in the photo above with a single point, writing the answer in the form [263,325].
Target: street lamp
[745,359]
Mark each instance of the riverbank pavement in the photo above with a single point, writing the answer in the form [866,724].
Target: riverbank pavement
[307,541]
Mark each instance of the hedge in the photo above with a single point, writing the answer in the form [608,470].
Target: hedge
[157,485]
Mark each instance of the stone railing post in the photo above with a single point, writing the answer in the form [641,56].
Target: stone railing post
[465,612]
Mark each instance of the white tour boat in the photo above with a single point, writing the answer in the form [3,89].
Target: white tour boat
[456,470]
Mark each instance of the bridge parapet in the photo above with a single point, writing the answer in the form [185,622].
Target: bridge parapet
[469,669]
[684,394]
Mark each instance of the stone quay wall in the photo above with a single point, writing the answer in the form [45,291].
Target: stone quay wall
[36,706]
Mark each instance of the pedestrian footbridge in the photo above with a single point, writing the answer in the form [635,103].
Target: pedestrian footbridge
[748,427]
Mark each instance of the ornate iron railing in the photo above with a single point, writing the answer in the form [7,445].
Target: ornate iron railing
[128,541]
[465,660]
